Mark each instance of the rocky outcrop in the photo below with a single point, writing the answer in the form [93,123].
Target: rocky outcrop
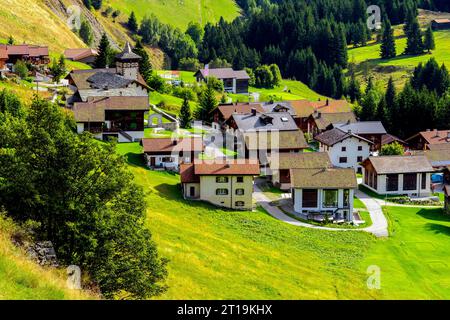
[43,253]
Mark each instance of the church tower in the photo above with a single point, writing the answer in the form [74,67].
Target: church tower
[127,63]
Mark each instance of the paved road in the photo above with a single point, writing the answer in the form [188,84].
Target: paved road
[379,226]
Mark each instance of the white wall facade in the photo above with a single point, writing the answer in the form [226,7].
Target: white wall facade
[418,192]
[298,205]
[351,152]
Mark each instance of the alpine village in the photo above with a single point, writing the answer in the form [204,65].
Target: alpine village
[202,150]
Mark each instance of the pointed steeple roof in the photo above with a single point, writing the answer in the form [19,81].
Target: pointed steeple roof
[128,54]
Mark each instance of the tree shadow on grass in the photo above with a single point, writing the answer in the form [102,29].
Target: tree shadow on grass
[434,214]
[438,228]
[135,159]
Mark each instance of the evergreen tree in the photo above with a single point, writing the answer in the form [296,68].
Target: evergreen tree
[145,66]
[354,89]
[185,114]
[85,32]
[369,105]
[132,23]
[10,40]
[104,53]
[388,49]
[207,103]
[429,43]
[414,44]
[87,4]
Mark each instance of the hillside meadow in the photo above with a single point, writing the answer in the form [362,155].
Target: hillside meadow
[222,254]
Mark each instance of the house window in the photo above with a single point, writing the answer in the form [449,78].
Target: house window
[344,149]
[309,198]
[221,192]
[167,159]
[392,182]
[239,204]
[221,179]
[359,148]
[424,181]
[239,192]
[330,198]
[346,198]
[359,159]
[240,179]
[343,160]
[410,181]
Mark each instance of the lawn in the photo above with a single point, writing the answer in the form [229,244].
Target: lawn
[414,261]
[223,254]
[401,66]
[178,13]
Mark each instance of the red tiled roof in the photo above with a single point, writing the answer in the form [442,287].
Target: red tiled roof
[22,49]
[187,173]
[3,53]
[169,145]
[77,54]
[434,136]
[38,51]
[241,108]
[217,167]
[304,108]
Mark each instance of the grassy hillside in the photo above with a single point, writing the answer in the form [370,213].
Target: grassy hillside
[178,13]
[221,254]
[22,279]
[400,68]
[32,22]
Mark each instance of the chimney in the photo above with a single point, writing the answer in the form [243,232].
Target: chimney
[328,102]
[175,142]
[349,131]
[319,115]
[436,133]
[253,112]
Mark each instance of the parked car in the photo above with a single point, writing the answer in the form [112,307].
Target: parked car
[437,178]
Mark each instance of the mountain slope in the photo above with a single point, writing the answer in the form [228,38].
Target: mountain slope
[21,278]
[178,12]
[33,22]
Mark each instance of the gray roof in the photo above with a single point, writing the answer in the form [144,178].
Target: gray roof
[102,80]
[128,54]
[225,73]
[324,178]
[362,127]
[400,164]
[281,121]
[333,136]
[277,106]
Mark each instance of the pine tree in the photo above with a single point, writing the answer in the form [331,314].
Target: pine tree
[388,49]
[86,32]
[429,43]
[185,114]
[132,23]
[145,66]
[10,40]
[391,99]
[104,49]
[354,89]
[413,33]
[207,103]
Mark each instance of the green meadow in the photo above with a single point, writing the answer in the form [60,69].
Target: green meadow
[179,13]
[221,254]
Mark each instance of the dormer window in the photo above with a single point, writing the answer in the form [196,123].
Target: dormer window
[284,119]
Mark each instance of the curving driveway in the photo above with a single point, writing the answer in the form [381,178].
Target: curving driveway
[379,226]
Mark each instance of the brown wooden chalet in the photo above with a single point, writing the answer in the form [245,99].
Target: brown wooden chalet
[234,81]
[223,113]
[423,140]
[35,55]
[440,24]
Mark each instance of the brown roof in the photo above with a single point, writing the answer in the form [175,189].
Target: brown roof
[389,138]
[304,160]
[434,136]
[94,109]
[22,49]
[187,173]
[79,53]
[333,136]
[441,20]
[304,108]
[240,167]
[324,178]
[37,51]
[286,140]
[323,120]
[224,73]
[169,145]
[400,164]
[80,77]
[3,53]
[242,108]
